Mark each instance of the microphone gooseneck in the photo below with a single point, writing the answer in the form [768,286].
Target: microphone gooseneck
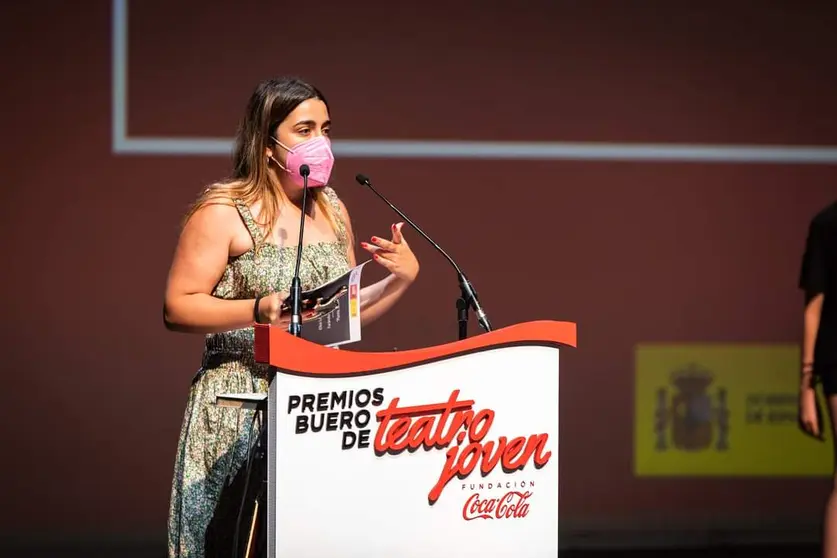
[295,327]
[469,299]
[364,181]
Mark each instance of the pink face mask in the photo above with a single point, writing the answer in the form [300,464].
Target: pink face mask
[316,153]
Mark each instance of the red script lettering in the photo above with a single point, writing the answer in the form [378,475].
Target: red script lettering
[511,505]
[434,426]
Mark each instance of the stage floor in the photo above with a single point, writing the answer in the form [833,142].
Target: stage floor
[809,551]
[112,550]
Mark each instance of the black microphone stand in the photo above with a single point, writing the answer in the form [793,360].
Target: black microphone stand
[258,452]
[468,299]
[295,327]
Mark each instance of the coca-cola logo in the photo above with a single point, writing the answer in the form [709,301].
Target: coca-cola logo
[435,426]
[511,505]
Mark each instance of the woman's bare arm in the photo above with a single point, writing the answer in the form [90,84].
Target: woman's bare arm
[200,258]
[813,310]
[376,299]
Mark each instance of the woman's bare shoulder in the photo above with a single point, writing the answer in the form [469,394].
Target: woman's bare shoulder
[215,207]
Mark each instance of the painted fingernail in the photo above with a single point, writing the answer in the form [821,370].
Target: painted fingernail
[375,256]
[394,226]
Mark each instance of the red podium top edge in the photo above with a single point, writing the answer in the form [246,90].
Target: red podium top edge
[277,347]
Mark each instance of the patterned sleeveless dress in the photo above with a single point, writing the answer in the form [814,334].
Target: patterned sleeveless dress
[215,441]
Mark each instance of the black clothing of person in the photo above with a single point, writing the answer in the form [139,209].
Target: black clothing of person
[819,276]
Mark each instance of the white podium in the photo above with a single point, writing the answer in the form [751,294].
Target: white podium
[446,451]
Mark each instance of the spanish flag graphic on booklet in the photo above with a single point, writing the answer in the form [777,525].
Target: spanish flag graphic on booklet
[722,410]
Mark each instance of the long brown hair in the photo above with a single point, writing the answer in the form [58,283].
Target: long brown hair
[252,179]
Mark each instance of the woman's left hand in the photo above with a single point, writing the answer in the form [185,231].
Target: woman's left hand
[395,255]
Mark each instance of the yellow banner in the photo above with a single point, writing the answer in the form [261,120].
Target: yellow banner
[722,410]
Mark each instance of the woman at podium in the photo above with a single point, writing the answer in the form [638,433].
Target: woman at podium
[233,266]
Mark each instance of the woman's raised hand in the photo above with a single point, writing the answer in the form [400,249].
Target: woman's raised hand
[395,254]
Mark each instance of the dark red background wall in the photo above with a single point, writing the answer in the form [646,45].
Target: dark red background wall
[94,387]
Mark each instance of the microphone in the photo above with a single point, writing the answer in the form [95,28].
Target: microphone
[295,327]
[468,299]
